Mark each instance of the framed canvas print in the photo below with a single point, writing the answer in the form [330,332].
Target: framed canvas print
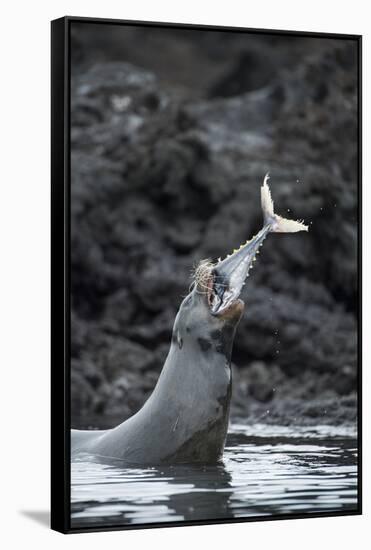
[188,387]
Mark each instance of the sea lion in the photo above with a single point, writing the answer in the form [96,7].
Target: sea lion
[185,420]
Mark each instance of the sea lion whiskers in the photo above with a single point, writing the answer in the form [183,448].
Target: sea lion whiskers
[203,271]
[202,274]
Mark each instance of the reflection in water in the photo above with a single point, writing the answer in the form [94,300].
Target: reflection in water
[283,470]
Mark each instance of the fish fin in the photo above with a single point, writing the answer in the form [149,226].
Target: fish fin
[266,200]
[279,224]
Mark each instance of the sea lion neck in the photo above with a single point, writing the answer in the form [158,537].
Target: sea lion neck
[210,341]
[223,340]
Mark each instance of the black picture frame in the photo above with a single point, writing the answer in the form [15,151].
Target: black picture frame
[60,271]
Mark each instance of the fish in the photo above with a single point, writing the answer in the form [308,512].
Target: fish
[229,275]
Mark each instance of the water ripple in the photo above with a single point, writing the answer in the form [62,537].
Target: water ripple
[279,471]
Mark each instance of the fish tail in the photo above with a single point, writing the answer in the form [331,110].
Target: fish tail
[277,223]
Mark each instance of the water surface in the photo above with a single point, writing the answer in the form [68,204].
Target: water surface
[267,470]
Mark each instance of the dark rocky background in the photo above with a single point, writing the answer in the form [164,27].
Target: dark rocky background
[172,133]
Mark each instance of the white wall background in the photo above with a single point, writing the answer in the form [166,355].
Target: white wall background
[24,271]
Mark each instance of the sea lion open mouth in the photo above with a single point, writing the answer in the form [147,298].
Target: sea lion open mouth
[223,282]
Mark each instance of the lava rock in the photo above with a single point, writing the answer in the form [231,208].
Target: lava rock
[165,174]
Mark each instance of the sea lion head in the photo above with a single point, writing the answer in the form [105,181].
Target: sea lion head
[213,307]
[197,322]
[210,287]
